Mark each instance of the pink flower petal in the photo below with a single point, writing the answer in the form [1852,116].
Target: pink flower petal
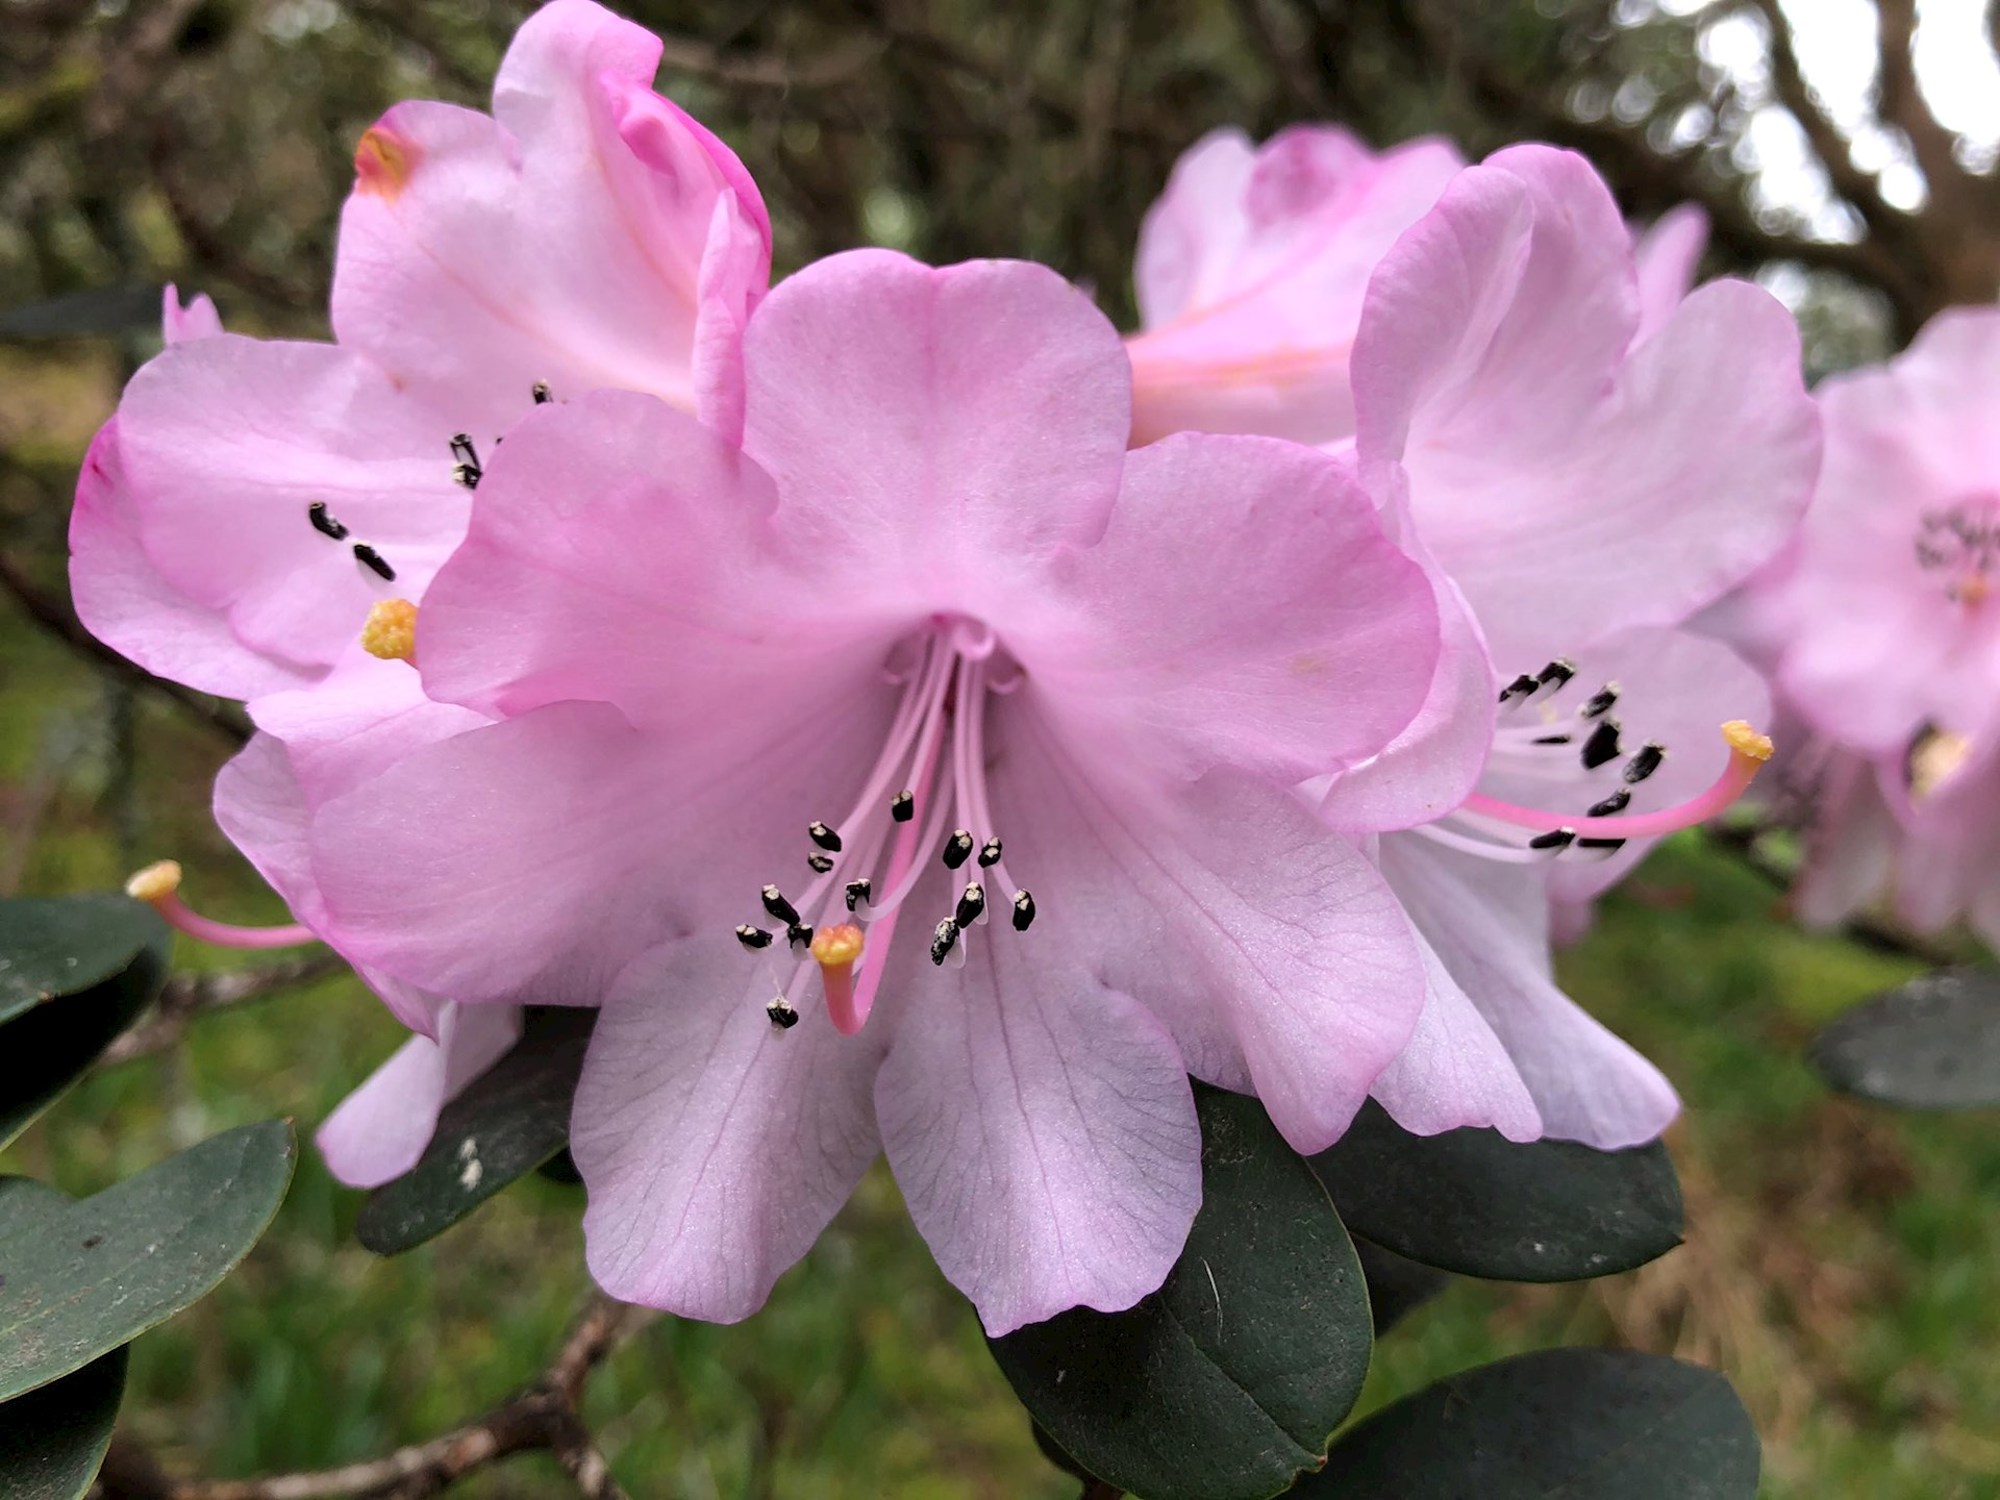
[1251,272]
[1042,1130]
[715,1148]
[935,434]
[197,320]
[379,1131]
[1270,947]
[1489,926]
[225,442]
[1281,633]
[1666,257]
[125,602]
[563,240]
[1454,1072]
[1543,460]
[623,554]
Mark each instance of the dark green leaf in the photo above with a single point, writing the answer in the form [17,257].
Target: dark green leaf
[1225,1383]
[68,945]
[1557,1424]
[1052,1451]
[52,1440]
[1933,1043]
[506,1123]
[94,1274]
[1474,1202]
[1397,1285]
[73,975]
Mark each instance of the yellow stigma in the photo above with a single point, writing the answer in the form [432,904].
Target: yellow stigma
[1936,757]
[391,630]
[837,947]
[1746,741]
[156,882]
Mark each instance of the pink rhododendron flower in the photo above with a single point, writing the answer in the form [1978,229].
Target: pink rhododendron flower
[1585,469]
[255,507]
[1253,265]
[921,777]
[1884,634]
[1250,275]
[251,499]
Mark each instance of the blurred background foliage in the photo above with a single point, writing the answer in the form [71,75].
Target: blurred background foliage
[1843,1264]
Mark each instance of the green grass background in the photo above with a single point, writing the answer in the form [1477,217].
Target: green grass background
[1842,1264]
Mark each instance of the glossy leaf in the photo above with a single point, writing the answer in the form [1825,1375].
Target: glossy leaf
[1397,1285]
[74,973]
[1474,1202]
[1933,1043]
[52,1440]
[84,1277]
[1225,1383]
[508,1122]
[68,945]
[1557,1424]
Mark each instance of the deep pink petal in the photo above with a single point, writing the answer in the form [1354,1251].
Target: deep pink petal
[561,240]
[381,1129]
[1489,926]
[124,601]
[1270,946]
[1243,609]
[225,442]
[1042,1131]
[715,1147]
[622,553]
[935,434]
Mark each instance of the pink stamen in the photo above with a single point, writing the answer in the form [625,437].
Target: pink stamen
[1748,750]
[159,887]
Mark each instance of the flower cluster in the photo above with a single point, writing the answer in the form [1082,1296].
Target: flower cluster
[924,722]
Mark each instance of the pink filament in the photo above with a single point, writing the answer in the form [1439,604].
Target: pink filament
[228,934]
[1733,782]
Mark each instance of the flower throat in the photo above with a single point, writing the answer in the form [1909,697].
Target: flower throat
[926,798]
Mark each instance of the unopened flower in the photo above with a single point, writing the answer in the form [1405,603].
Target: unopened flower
[919,776]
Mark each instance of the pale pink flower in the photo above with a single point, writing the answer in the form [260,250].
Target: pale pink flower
[253,503]
[251,499]
[1585,473]
[1884,633]
[1250,275]
[765,720]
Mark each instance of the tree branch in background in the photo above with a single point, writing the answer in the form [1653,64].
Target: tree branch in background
[546,1418]
[1829,143]
[189,996]
[61,622]
[1901,102]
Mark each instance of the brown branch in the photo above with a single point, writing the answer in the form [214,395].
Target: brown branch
[1828,142]
[188,996]
[61,622]
[1902,104]
[546,1418]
